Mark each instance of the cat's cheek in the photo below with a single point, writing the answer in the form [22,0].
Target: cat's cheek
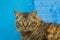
[17,28]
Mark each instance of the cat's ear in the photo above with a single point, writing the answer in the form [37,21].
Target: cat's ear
[16,13]
[34,13]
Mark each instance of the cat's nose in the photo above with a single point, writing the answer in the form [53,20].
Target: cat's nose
[25,25]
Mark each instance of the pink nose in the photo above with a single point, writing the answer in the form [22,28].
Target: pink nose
[25,25]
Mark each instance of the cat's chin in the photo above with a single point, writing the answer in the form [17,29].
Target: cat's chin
[26,30]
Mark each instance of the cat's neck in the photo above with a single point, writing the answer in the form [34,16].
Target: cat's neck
[27,33]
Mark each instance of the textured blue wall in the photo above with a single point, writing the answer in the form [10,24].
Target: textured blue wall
[48,11]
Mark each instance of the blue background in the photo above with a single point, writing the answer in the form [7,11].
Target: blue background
[48,11]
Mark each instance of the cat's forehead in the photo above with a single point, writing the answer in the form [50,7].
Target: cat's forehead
[26,14]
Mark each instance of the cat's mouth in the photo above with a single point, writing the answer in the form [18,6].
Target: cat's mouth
[30,29]
[26,30]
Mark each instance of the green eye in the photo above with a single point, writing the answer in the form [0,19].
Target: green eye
[29,22]
[21,23]
[32,24]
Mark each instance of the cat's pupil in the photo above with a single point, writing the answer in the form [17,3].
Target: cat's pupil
[32,24]
[19,24]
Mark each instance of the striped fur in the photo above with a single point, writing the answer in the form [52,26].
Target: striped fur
[32,27]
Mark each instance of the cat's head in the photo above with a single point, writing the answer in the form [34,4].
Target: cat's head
[26,21]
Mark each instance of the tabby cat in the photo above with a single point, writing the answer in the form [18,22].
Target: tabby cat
[32,27]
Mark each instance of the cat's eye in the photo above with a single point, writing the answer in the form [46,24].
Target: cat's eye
[29,23]
[19,24]
[32,24]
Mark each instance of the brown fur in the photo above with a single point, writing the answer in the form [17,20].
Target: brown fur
[32,27]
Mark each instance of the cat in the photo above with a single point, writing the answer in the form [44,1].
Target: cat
[32,27]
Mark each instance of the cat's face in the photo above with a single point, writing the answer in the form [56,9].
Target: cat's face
[25,21]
